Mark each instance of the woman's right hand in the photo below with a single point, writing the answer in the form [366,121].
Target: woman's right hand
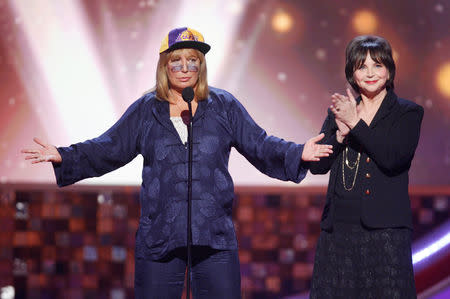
[45,153]
[345,108]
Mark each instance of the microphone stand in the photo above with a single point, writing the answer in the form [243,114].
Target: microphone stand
[188,99]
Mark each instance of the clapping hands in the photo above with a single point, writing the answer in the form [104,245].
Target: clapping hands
[345,112]
[344,109]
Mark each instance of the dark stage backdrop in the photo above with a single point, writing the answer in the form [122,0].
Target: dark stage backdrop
[69,69]
[78,242]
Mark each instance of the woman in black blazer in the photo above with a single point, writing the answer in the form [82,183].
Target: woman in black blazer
[364,248]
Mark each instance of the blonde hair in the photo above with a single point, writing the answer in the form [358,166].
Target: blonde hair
[162,80]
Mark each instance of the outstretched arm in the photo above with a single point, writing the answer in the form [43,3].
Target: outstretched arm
[97,156]
[272,155]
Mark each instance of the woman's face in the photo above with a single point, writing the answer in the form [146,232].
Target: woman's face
[371,76]
[182,69]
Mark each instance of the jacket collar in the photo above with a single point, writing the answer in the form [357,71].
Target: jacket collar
[388,103]
[201,109]
[162,112]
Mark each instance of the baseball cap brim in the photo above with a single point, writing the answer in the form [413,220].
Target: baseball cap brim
[189,44]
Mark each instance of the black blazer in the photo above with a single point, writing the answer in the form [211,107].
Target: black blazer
[389,142]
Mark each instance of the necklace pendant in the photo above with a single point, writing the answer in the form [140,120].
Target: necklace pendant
[346,162]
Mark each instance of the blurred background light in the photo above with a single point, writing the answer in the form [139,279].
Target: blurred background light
[365,22]
[282,21]
[431,249]
[71,68]
[443,80]
[62,46]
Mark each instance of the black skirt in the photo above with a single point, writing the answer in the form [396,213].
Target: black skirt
[355,262]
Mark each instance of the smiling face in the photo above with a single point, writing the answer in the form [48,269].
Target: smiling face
[183,69]
[370,56]
[371,76]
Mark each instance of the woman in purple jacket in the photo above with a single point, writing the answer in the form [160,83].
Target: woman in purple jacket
[153,127]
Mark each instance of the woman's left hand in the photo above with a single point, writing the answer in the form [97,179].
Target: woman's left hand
[342,131]
[313,151]
[344,108]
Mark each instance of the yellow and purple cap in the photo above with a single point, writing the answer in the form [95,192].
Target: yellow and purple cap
[184,37]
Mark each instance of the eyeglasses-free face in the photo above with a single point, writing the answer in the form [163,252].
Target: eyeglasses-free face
[371,76]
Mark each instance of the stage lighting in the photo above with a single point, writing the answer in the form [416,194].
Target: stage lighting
[365,22]
[282,22]
[443,80]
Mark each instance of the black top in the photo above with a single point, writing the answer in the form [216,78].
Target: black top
[347,199]
[388,145]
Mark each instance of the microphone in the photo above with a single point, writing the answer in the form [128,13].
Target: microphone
[188,94]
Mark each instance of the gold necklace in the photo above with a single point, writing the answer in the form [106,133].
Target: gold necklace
[350,165]
[347,162]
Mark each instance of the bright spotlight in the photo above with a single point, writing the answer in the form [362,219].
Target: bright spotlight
[282,22]
[365,22]
[236,7]
[443,79]
[7,292]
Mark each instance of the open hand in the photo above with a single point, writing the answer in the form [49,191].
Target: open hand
[45,153]
[344,108]
[313,151]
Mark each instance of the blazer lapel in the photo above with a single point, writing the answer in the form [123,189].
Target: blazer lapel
[385,108]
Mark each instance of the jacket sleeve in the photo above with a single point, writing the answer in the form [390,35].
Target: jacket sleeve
[394,150]
[329,128]
[271,155]
[113,149]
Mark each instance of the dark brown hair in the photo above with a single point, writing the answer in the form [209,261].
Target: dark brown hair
[380,51]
